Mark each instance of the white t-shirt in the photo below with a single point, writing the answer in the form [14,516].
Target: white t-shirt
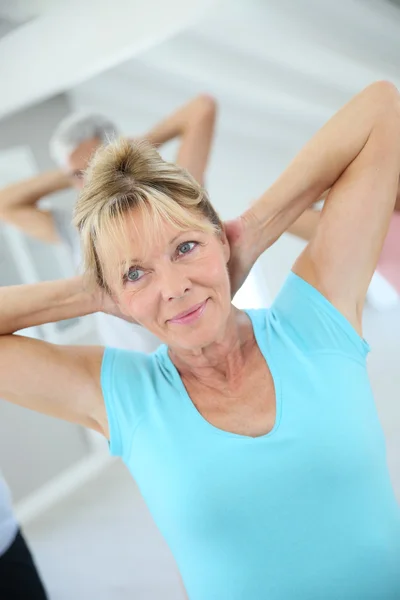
[8,524]
[113,331]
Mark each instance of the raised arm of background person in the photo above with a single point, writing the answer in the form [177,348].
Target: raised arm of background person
[19,204]
[194,124]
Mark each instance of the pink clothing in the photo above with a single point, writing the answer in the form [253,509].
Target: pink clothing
[389,260]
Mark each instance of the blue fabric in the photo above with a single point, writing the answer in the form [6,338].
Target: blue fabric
[303,513]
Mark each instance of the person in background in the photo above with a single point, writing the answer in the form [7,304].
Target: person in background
[73,143]
[19,577]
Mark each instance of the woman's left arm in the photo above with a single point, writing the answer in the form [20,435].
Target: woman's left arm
[357,155]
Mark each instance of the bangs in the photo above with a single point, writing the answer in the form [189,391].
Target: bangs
[117,228]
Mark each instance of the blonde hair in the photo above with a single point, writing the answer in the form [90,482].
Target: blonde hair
[125,177]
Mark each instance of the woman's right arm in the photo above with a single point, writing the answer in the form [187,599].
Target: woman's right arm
[61,381]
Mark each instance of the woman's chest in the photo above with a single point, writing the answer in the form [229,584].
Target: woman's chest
[249,409]
[327,437]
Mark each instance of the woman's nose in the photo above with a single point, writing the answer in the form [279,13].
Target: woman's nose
[175,284]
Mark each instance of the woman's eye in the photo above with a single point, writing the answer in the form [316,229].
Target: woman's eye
[134,274]
[186,247]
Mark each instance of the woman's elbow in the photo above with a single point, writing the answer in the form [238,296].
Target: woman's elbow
[386,95]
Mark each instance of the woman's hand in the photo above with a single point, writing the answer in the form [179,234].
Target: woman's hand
[242,237]
[106,304]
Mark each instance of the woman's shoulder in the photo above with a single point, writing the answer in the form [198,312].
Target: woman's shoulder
[306,316]
[133,384]
[125,362]
[121,366]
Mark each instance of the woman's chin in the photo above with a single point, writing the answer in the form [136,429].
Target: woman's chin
[194,340]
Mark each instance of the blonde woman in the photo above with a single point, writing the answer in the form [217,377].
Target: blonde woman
[253,435]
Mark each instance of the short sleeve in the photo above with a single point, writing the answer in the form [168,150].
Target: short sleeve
[127,382]
[313,323]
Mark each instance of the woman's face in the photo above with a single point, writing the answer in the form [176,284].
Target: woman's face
[180,290]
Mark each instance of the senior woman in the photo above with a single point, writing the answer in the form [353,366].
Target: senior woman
[253,435]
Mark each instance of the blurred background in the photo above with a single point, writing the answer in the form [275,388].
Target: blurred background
[278,70]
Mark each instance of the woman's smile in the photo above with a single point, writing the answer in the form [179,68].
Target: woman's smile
[189,316]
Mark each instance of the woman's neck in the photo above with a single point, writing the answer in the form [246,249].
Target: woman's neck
[221,364]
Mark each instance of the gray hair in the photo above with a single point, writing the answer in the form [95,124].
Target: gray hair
[77,128]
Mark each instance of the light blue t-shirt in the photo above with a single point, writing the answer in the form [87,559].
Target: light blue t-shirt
[306,512]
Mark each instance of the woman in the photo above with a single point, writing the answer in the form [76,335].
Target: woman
[253,435]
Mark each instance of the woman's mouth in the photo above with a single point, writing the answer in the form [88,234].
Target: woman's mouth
[189,316]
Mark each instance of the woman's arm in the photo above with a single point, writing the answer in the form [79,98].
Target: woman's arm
[306,225]
[357,155]
[19,204]
[23,306]
[61,381]
[194,124]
